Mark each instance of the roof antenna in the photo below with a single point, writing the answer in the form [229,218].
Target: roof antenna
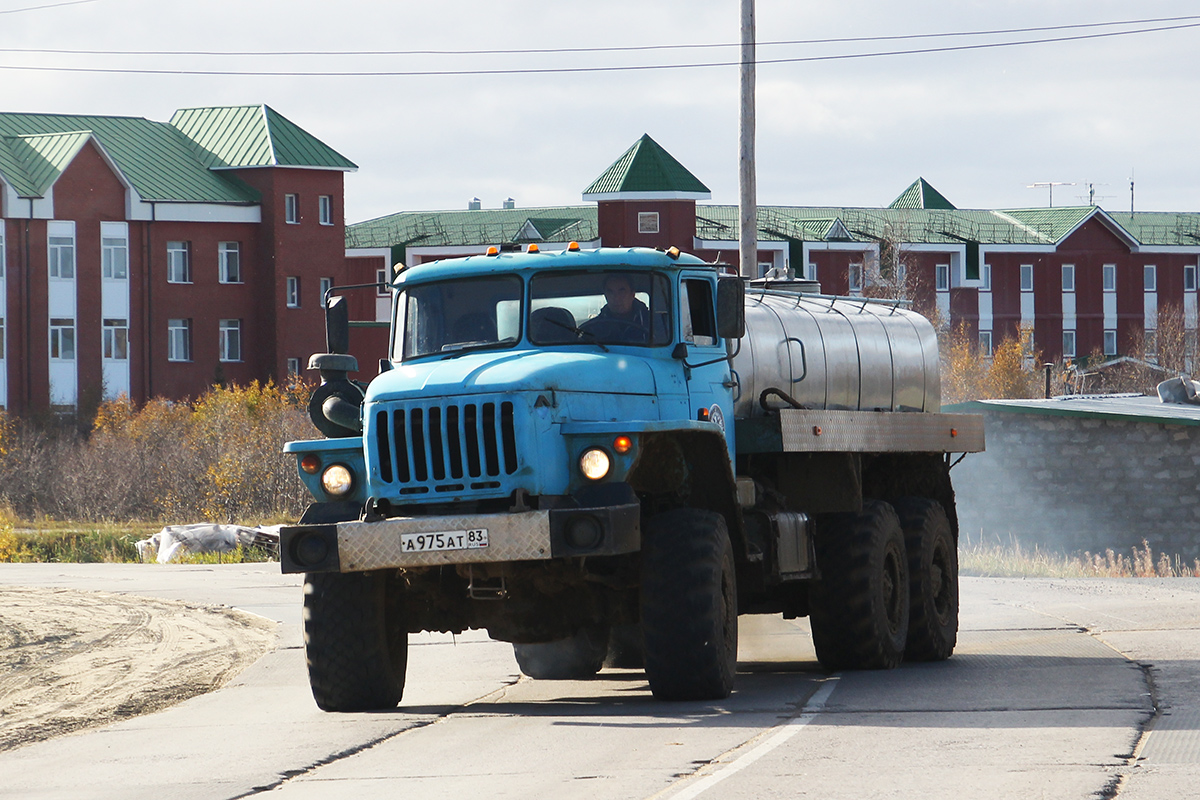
[1131,191]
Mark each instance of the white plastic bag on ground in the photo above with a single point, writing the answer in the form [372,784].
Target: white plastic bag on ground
[204,537]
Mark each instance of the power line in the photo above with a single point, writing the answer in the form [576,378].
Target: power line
[49,5]
[570,70]
[560,50]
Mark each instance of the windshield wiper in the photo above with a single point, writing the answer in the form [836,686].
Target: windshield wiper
[580,333]
[462,348]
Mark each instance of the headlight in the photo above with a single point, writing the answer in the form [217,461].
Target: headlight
[594,463]
[337,480]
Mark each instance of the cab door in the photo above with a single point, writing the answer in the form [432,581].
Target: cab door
[706,367]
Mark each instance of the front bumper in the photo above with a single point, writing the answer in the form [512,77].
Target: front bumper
[519,536]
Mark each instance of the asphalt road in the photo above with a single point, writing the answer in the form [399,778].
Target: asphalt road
[1058,689]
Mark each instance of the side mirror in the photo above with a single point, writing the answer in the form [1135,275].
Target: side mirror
[337,325]
[731,308]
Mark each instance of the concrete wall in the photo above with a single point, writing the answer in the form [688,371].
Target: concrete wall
[1083,484]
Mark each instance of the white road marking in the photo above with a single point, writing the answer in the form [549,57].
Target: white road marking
[789,729]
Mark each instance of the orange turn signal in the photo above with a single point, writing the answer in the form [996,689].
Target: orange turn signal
[310,464]
[622,444]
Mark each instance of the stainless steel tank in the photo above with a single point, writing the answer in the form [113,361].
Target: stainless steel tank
[836,353]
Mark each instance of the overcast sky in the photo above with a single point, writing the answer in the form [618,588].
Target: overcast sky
[980,125]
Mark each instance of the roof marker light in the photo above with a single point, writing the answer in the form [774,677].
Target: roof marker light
[672,252]
[533,248]
[493,250]
[573,247]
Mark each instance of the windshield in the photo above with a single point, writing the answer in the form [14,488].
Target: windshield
[459,315]
[615,307]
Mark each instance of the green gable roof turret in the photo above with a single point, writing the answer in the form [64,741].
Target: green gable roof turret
[921,195]
[646,172]
[234,137]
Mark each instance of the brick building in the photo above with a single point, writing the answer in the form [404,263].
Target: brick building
[1080,278]
[154,259]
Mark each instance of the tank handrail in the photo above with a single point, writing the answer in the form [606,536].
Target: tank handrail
[883,301]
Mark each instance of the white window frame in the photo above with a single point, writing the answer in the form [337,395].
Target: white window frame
[1189,277]
[230,332]
[179,262]
[60,255]
[1109,272]
[986,278]
[1110,336]
[1150,278]
[1027,272]
[3,342]
[648,222]
[291,209]
[326,285]
[985,344]
[381,277]
[941,278]
[3,255]
[293,366]
[325,209]
[115,339]
[1068,278]
[854,278]
[62,339]
[229,262]
[292,291]
[179,340]
[114,253]
[1068,344]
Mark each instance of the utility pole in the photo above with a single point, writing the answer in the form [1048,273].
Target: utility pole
[747,190]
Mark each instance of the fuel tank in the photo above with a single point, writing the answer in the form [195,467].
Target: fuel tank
[835,353]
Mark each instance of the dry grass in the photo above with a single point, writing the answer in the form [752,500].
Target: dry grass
[1011,559]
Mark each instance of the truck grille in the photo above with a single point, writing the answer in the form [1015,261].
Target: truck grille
[446,447]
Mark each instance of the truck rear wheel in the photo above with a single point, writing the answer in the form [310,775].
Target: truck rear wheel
[355,640]
[860,605]
[578,656]
[689,606]
[933,578]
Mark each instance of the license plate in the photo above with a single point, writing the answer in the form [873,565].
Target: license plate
[473,539]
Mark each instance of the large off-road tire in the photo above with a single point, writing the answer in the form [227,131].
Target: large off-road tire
[859,608]
[933,579]
[625,647]
[689,606]
[578,656]
[355,640]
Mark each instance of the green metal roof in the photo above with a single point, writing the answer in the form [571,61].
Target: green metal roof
[921,195]
[1161,228]
[483,227]
[646,169]
[1119,407]
[254,136]
[1053,223]
[45,156]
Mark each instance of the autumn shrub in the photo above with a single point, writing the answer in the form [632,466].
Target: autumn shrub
[215,459]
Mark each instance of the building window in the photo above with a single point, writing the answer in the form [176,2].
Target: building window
[115,339]
[325,209]
[383,288]
[293,292]
[293,366]
[985,343]
[229,262]
[291,209]
[941,277]
[1027,277]
[1189,278]
[1110,343]
[855,278]
[179,262]
[986,275]
[1151,345]
[1068,277]
[2,256]
[1068,344]
[326,285]
[62,339]
[114,257]
[812,272]
[1,338]
[1150,278]
[1110,277]
[647,222]
[179,340]
[231,340]
[62,257]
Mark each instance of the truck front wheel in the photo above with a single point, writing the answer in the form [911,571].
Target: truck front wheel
[578,656]
[933,577]
[689,606]
[355,640]
[860,605]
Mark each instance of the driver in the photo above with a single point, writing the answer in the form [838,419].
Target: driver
[624,318]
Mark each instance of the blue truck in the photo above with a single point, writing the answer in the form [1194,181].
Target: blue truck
[606,456]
